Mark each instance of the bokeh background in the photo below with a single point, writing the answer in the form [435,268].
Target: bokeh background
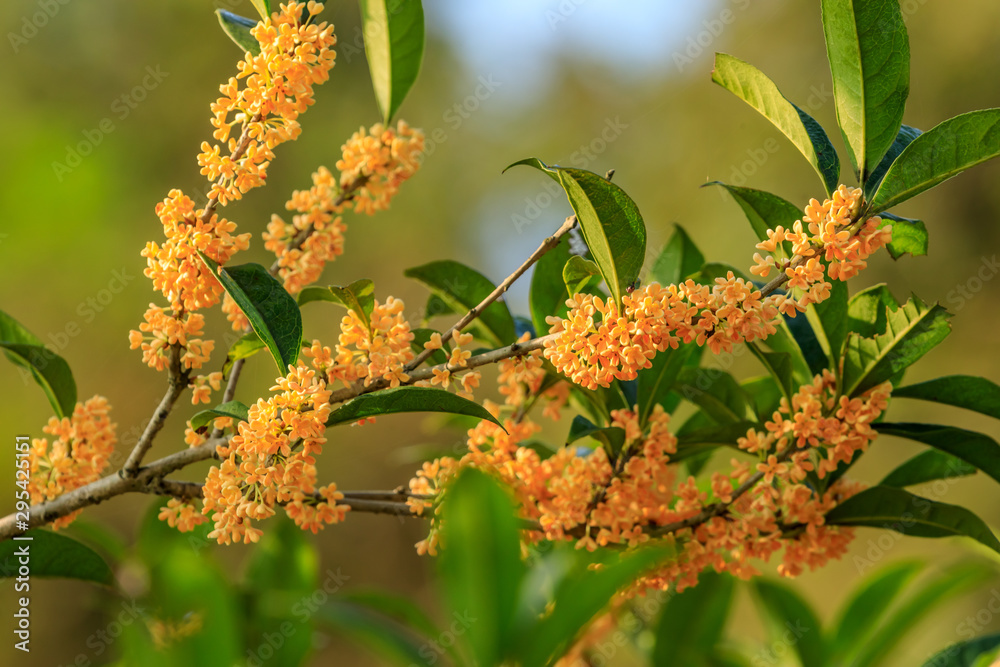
[588,83]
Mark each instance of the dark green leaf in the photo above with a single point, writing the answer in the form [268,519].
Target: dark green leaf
[908,236]
[394,44]
[869,602]
[548,292]
[904,138]
[579,273]
[832,323]
[756,89]
[610,222]
[271,311]
[869,54]
[939,154]
[805,336]
[927,467]
[234,409]
[481,565]
[679,260]
[725,434]
[765,396]
[658,380]
[966,654]
[964,391]
[48,369]
[692,622]
[359,296]
[765,211]
[779,365]
[866,311]
[976,449]
[787,613]
[407,399]
[385,636]
[713,270]
[463,289]
[612,437]
[903,512]
[54,555]
[238,29]
[911,331]
[715,392]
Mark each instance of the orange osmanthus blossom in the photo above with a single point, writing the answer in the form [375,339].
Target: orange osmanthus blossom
[81,448]
[380,159]
[599,342]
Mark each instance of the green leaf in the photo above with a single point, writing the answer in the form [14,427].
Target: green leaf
[928,597]
[911,331]
[245,347]
[407,399]
[713,270]
[765,211]
[787,613]
[481,566]
[926,467]
[579,273]
[805,337]
[359,296]
[963,391]
[263,7]
[394,44]
[904,138]
[779,365]
[939,154]
[832,323]
[579,597]
[903,512]
[724,434]
[869,602]
[610,222]
[869,54]
[271,311]
[384,635]
[756,89]
[715,392]
[908,236]
[866,311]
[966,654]
[463,289]
[547,295]
[679,260]
[238,28]
[234,409]
[658,380]
[47,368]
[399,609]
[54,555]
[612,437]
[280,574]
[421,336]
[976,449]
[692,622]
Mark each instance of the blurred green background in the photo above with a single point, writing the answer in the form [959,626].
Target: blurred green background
[591,84]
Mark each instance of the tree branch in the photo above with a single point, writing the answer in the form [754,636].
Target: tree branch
[177,382]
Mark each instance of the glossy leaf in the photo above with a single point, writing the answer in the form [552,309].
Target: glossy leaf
[926,467]
[388,638]
[271,311]
[359,296]
[394,44]
[779,365]
[869,55]
[976,449]
[805,336]
[832,323]
[904,138]
[245,347]
[756,89]
[867,606]
[407,399]
[963,391]
[234,409]
[609,220]
[765,211]
[48,369]
[579,273]
[939,154]
[55,555]
[612,437]
[658,380]
[788,614]
[238,28]
[679,260]
[967,653]
[908,236]
[481,566]
[692,622]
[547,295]
[715,392]
[463,288]
[867,310]
[263,7]
[903,512]
[912,330]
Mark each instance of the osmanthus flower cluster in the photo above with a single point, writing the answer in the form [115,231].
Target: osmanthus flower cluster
[748,513]
[599,342]
[271,462]
[80,450]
